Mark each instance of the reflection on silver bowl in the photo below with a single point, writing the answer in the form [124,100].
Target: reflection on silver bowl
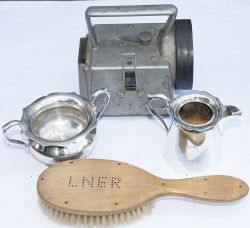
[60,126]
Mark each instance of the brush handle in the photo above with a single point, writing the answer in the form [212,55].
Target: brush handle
[208,188]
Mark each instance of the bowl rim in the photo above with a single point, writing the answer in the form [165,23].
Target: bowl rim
[32,110]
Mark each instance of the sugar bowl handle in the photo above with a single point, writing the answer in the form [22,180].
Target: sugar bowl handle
[99,109]
[152,111]
[7,127]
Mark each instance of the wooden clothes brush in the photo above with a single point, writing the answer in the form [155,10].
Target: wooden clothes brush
[104,192]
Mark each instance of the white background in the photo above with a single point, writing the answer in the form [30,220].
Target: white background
[38,55]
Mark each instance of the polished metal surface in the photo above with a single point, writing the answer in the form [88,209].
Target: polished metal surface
[60,126]
[194,111]
[193,137]
[59,123]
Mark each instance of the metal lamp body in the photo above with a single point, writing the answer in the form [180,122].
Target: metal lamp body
[133,60]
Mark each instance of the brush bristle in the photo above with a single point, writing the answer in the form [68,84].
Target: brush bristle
[96,221]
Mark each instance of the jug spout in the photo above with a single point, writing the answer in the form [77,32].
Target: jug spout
[230,110]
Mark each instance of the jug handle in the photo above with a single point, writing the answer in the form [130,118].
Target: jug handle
[94,96]
[152,97]
[7,127]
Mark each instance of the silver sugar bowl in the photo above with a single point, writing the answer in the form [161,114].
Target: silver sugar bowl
[60,126]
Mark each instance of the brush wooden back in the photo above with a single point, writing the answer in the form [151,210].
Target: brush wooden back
[103,187]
